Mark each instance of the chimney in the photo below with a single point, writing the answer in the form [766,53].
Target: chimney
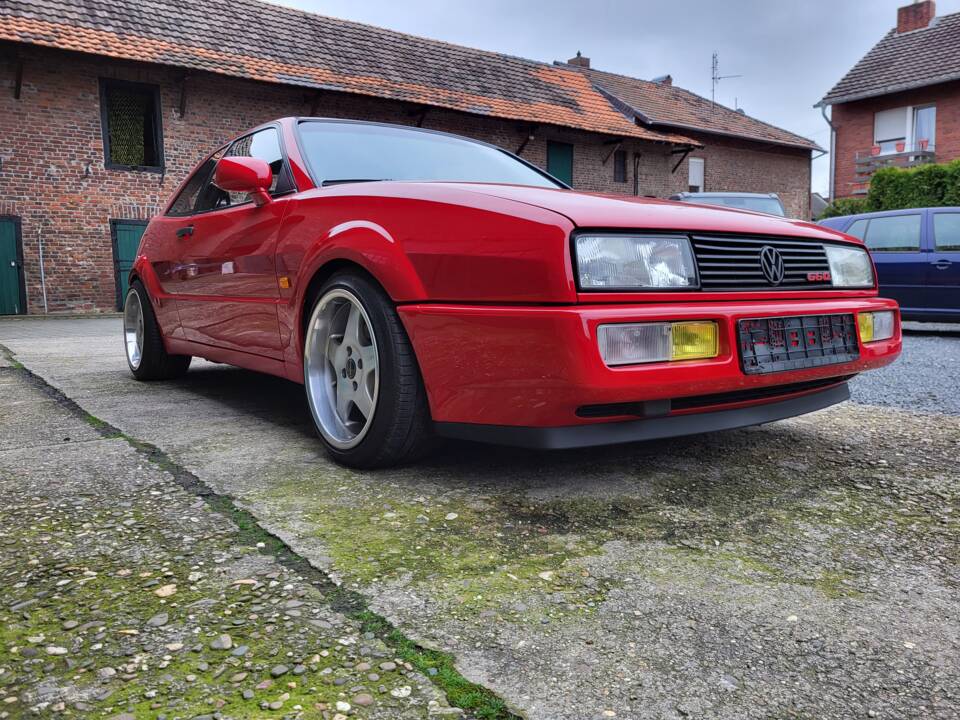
[663,80]
[579,60]
[916,16]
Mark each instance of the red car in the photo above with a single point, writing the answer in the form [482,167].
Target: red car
[421,284]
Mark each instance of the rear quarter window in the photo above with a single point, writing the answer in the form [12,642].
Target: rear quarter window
[946,231]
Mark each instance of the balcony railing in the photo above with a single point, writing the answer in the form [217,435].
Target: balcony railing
[866,163]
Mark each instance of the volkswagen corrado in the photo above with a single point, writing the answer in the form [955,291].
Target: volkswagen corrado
[423,285]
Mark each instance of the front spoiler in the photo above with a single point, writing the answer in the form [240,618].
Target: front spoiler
[614,433]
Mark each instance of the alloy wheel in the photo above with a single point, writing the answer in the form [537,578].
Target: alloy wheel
[341,368]
[133,329]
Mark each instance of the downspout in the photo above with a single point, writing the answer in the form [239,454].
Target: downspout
[43,277]
[833,151]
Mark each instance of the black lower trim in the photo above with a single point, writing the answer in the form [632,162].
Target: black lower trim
[612,433]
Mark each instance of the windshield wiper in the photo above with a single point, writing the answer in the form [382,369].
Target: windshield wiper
[343,181]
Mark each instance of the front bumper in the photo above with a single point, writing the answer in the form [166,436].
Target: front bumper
[540,367]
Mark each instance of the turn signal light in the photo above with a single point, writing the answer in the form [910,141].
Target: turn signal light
[635,343]
[875,326]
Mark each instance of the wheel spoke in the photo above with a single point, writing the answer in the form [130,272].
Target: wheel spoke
[363,401]
[351,333]
[368,354]
[344,399]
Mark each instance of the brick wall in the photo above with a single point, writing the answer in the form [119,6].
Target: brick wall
[53,177]
[734,165]
[854,126]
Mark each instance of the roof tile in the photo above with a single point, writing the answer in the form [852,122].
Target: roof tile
[668,106]
[901,61]
[260,41]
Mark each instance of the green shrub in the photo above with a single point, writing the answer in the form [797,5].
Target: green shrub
[844,206]
[901,188]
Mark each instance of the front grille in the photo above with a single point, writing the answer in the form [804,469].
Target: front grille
[733,263]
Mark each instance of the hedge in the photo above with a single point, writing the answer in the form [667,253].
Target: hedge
[899,188]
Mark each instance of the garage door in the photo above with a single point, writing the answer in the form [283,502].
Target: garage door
[126,240]
[12,296]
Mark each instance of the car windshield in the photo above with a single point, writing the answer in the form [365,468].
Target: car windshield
[355,152]
[757,204]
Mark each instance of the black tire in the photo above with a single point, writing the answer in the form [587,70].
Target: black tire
[155,363]
[401,430]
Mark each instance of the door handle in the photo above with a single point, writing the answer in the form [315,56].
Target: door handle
[941,264]
[185,231]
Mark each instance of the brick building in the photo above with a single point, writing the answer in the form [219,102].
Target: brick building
[104,108]
[900,104]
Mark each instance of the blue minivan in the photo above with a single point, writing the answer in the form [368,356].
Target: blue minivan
[917,254]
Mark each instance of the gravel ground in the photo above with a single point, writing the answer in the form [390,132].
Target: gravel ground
[805,569]
[925,379]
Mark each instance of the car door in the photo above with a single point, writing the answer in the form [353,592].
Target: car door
[894,243]
[225,280]
[943,271]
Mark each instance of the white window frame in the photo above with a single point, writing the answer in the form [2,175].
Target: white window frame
[909,142]
[701,163]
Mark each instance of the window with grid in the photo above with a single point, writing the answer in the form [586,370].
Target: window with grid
[132,133]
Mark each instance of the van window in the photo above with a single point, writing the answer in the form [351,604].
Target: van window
[858,229]
[895,233]
[946,231]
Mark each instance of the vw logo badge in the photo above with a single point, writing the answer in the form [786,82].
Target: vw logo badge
[771,263]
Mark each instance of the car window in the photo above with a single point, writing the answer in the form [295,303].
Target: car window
[350,152]
[265,145]
[946,231]
[858,229]
[895,233]
[185,201]
[771,206]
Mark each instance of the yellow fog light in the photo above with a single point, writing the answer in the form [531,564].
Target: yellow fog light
[693,340]
[875,326]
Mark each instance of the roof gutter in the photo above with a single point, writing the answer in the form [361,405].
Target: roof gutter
[833,150]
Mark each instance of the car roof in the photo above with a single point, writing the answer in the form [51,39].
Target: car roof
[887,213]
[728,194]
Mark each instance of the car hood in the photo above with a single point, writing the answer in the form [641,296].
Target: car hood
[595,210]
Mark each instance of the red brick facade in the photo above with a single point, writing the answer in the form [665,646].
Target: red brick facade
[53,177]
[854,124]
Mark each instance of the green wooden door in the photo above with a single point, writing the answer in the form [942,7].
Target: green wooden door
[126,240]
[11,273]
[560,161]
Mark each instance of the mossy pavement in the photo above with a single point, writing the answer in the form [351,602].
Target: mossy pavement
[804,569]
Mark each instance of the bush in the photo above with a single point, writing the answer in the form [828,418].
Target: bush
[901,188]
[844,206]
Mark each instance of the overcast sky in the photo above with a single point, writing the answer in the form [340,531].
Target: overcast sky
[789,53]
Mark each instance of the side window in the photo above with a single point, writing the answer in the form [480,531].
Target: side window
[858,229]
[266,146]
[209,196]
[130,119]
[186,200]
[897,233]
[946,231]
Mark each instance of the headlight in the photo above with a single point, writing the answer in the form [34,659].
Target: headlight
[628,262]
[850,267]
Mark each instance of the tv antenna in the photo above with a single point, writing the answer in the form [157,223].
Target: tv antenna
[717,77]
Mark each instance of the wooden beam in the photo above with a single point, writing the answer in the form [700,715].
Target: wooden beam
[610,154]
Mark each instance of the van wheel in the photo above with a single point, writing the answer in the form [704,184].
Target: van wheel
[361,377]
[147,358]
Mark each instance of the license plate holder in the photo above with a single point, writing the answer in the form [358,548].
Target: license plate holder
[780,344]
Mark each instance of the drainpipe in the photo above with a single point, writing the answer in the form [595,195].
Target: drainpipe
[833,150]
[43,277]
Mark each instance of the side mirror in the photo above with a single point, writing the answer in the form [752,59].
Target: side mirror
[245,175]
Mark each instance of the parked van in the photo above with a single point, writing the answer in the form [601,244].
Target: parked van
[917,254]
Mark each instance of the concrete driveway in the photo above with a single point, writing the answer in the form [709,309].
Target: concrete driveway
[804,569]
